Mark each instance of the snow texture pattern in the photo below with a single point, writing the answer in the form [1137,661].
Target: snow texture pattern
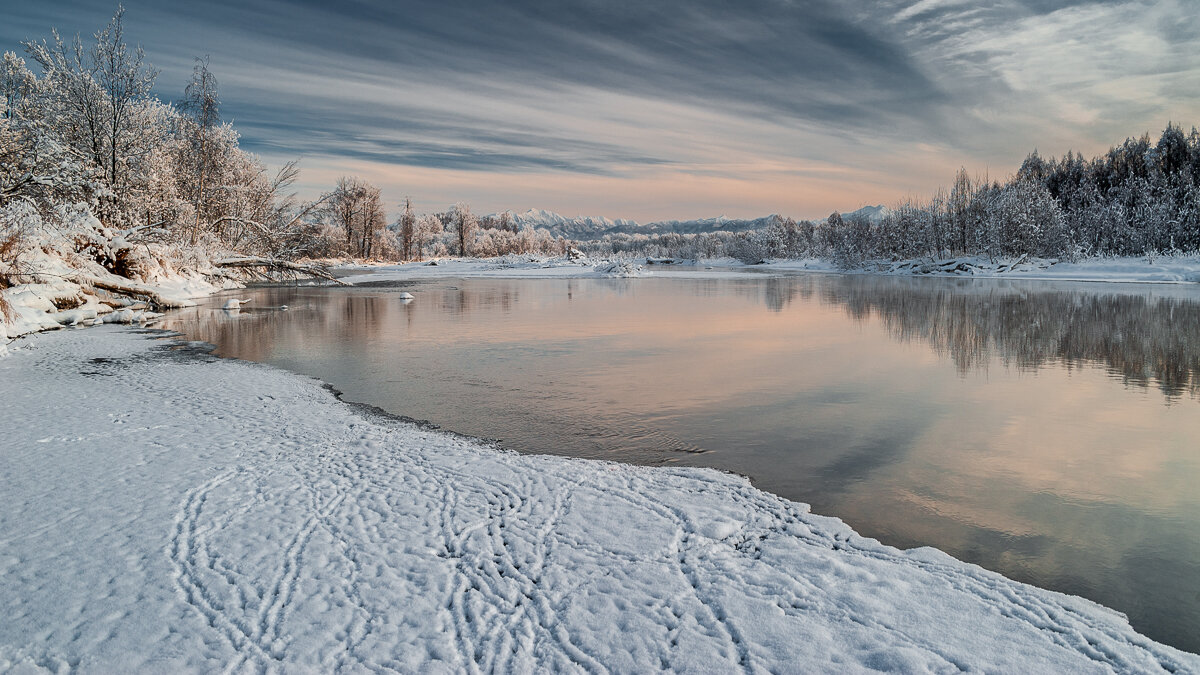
[164,511]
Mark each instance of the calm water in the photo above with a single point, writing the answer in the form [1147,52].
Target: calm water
[1050,432]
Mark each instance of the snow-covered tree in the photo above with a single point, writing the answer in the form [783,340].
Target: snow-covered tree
[17,83]
[356,207]
[464,223]
[407,230]
[94,98]
[428,235]
[203,146]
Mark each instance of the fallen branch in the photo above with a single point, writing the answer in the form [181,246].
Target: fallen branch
[318,271]
[131,289]
[1014,265]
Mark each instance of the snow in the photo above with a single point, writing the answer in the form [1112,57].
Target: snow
[873,214]
[528,267]
[164,511]
[63,286]
[1163,269]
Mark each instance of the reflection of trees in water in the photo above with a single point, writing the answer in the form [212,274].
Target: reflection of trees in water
[779,292]
[464,301]
[254,331]
[325,316]
[1142,339]
[775,292]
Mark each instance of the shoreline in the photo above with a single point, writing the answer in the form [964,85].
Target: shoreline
[36,307]
[613,544]
[1181,270]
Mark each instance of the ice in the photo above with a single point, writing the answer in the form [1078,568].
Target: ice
[165,511]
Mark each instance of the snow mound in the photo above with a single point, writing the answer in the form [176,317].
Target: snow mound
[167,512]
[620,268]
[65,271]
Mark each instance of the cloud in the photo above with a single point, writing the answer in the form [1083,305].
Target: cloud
[881,99]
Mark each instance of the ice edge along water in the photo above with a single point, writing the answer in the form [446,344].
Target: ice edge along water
[165,511]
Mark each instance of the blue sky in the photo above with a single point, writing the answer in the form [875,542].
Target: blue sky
[665,109]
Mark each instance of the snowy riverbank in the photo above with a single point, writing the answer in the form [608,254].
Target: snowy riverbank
[71,297]
[164,511]
[1159,270]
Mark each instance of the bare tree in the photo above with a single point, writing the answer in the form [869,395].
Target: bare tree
[356,207]
[408,223]
[465,224]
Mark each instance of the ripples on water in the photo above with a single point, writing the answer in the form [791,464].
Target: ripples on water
[1046,431]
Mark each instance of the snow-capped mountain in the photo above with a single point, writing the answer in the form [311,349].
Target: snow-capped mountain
[872,213]
[578,227]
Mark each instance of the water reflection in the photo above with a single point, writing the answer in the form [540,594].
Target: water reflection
[1141,337]
[1018,425]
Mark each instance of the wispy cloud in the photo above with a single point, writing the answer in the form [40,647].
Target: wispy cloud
[800,106]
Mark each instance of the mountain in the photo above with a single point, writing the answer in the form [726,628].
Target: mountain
[578,227]
[873,214]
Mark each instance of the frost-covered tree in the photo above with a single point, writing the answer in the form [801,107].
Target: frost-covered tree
[428,236]
[203,145]
[407,229]
[465,224]
[17,84]
[356,207]
[94,100]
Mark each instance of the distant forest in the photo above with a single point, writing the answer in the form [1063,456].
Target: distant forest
[1141,198]
[86,133]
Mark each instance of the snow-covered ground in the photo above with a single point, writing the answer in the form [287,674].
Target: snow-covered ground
[524,267]
[161,511]
[1162,269]
[1159,269]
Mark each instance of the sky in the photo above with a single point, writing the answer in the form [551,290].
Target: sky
[663,110]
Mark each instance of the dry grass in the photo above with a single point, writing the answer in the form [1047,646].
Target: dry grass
[10,248]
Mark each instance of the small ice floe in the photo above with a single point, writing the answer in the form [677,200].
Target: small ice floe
[405,296]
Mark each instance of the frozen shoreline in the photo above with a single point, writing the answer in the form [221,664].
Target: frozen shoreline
[48,306]
[162,510]
[1164,270]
